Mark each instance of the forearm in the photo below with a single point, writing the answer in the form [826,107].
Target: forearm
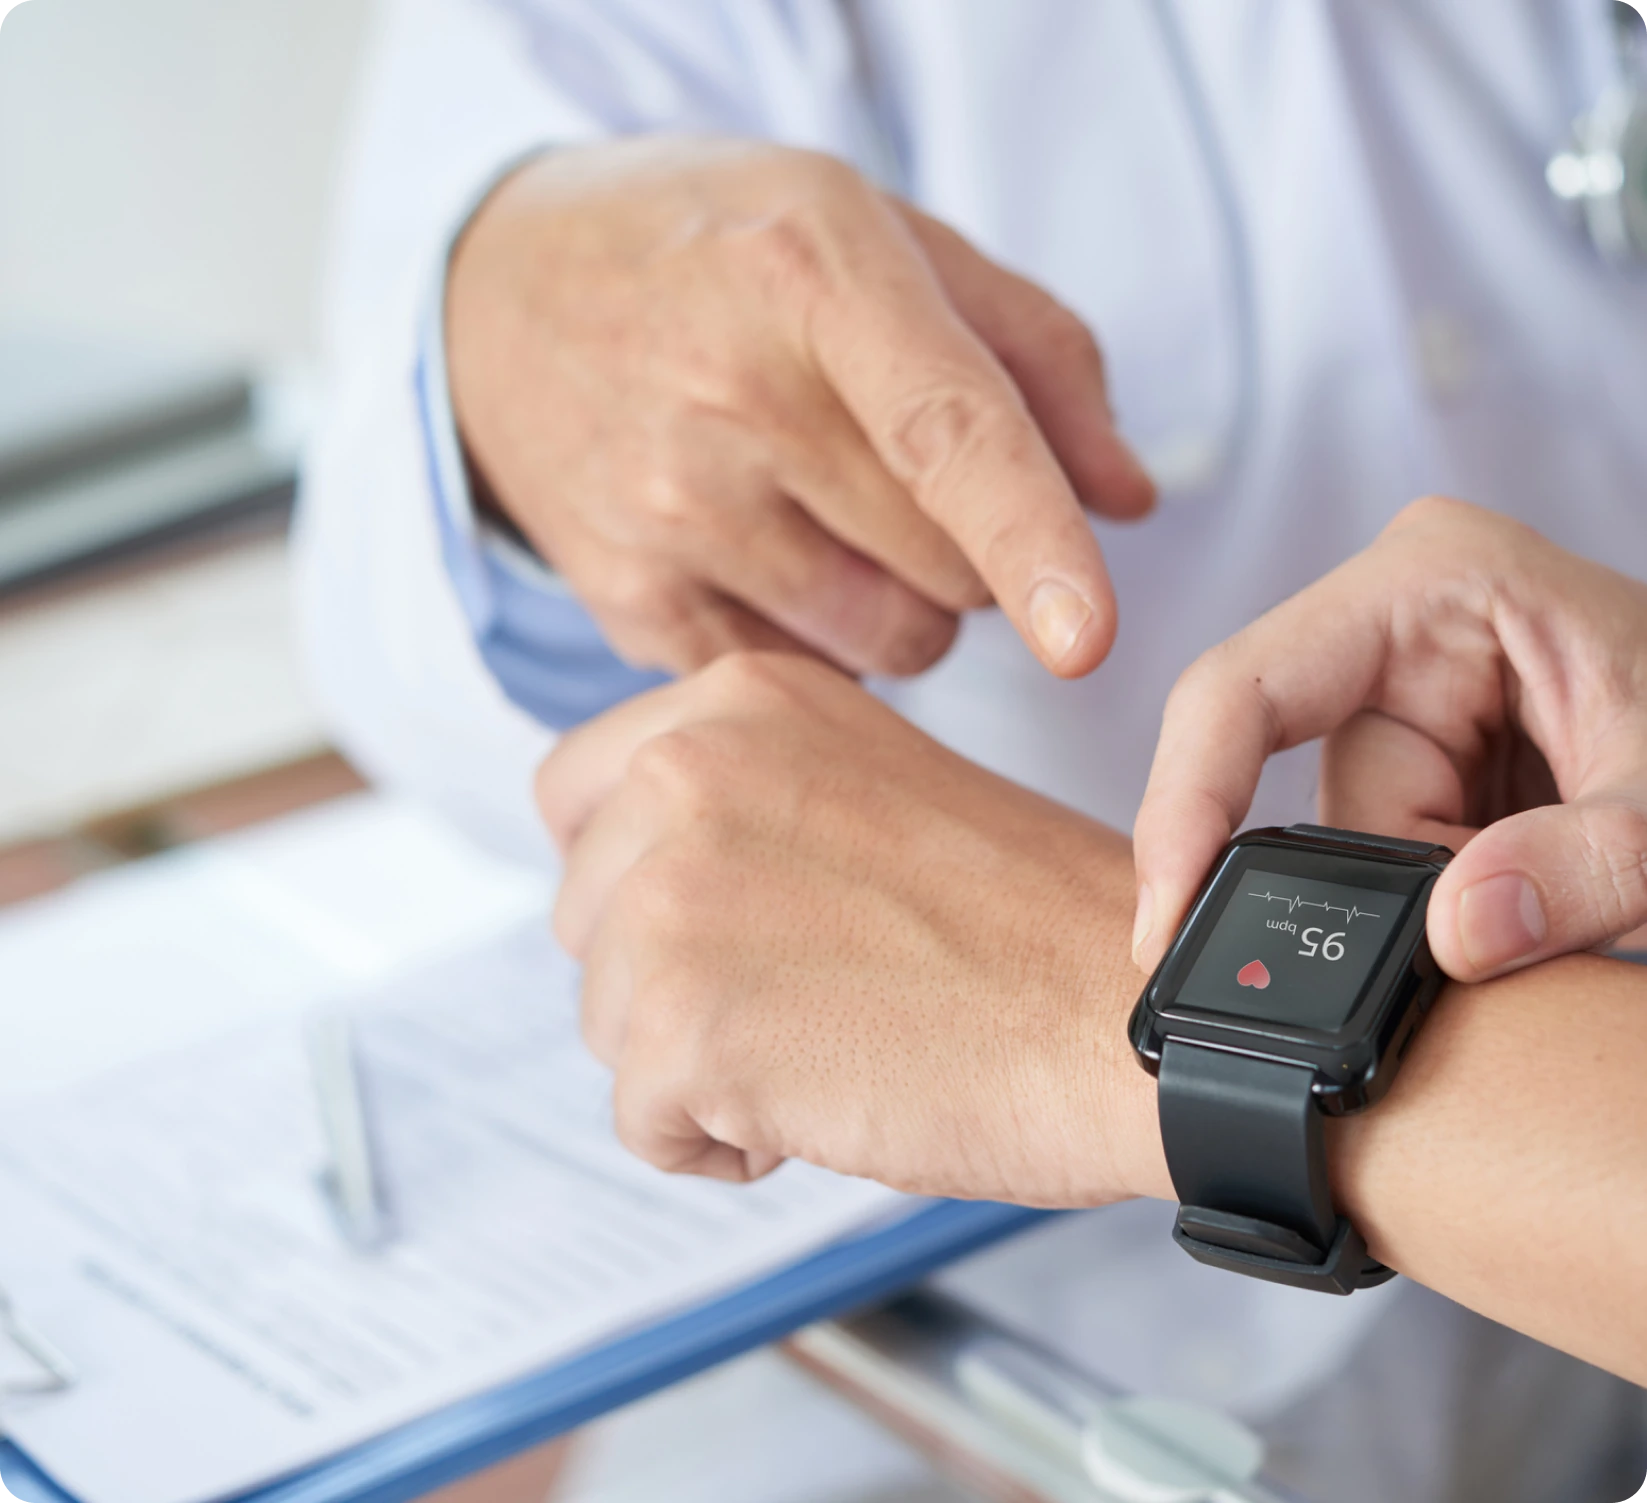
[809,931]
[1508,1166]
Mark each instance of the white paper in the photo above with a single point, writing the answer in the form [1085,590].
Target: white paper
[179,948]
[162,1226]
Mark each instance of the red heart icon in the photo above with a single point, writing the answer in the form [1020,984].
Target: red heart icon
[1254,973]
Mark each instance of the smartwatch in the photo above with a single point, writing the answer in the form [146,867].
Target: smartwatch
[1290,994]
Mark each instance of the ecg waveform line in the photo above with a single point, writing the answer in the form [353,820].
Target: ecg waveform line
[1351,914]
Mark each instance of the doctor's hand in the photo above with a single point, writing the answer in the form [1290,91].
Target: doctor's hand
[810,931]
[1478,687]
[739,398]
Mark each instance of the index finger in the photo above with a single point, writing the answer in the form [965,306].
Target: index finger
[949,423]
[1293,675]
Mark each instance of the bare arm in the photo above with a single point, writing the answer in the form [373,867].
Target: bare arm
[810,931]
[1508,1166]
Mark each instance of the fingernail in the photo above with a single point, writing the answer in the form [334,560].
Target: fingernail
[1145,921]
[1057,616]
[1500,920]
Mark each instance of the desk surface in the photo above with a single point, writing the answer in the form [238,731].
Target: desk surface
[133,687]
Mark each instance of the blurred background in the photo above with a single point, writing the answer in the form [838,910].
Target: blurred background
[165,167]
[166,172]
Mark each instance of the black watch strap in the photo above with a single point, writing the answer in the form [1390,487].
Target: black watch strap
[1246,1147]
[1418,848]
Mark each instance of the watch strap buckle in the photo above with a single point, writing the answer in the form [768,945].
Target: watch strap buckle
[1261,1249]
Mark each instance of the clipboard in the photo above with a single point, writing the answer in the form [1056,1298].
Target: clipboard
[469,1436]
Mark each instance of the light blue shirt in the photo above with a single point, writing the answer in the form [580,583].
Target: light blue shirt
[542,646]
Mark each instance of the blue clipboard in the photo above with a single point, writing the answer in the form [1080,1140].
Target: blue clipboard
[478,1432]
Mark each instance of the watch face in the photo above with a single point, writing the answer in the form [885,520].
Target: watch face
[1292,950]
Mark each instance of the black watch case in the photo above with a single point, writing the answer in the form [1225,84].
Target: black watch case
[1353,1061]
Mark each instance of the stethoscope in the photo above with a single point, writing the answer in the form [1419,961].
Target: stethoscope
[1599,180]
[1601,176]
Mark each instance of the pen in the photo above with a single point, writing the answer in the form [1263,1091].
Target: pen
[56,1371]
[350,1184]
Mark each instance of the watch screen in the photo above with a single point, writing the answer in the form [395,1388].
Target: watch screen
[1292,950]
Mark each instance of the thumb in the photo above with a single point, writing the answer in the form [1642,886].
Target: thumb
[1549,881]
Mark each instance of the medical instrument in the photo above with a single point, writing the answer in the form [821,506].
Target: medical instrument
[1601,175]
[1191,462]
[1290,994]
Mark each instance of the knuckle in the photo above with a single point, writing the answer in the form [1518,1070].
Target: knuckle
[672,1024]
[647,614]
[629,589]
[824,188]
[827,176]
[940,427]
[670,501]
[1064,335]
[788,252]
[723,1114]
[1445,520]
[1613,849]
[632,1110]
[666,1008]
[735,413]
[1206,675]
[1442,537]
[791,248]
[914,637]
[659,907]
[1429,511]
[682,766]
[758,680]
[634,644]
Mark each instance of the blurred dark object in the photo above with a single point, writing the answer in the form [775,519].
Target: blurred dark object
[105,448]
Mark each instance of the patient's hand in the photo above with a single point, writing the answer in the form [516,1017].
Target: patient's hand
[809,930]
[1466,673]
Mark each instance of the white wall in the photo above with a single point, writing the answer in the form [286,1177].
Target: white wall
[165,165]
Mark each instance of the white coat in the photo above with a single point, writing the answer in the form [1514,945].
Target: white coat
[1425,320]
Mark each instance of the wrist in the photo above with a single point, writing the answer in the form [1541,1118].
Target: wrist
[1115,1148]
[1373,1156]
